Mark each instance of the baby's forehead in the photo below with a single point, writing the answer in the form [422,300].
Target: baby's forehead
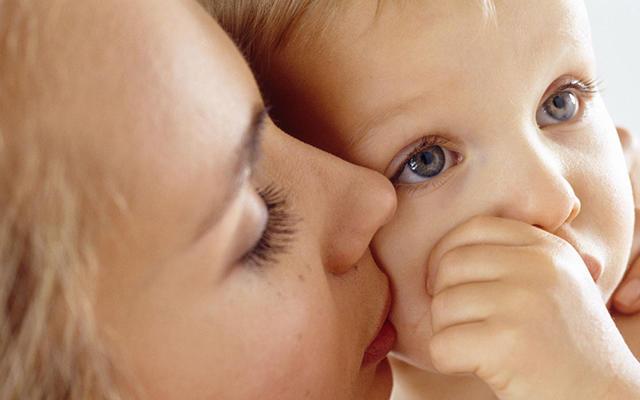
[435,61]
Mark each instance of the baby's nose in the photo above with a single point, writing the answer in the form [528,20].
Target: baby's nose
[541,195]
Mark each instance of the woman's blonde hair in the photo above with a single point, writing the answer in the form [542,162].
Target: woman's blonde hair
[48,344]
[261,27]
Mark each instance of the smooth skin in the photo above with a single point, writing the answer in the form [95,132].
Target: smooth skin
[626,300]
[161,110]
[390,76]
[517,290]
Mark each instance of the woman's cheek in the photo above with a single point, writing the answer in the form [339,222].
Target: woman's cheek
[292,349]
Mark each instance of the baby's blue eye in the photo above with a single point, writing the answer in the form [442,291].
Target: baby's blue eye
[426,165]
[561,107]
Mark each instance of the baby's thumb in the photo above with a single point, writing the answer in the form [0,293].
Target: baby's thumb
[626,298]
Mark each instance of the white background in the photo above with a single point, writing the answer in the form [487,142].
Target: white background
[616,39]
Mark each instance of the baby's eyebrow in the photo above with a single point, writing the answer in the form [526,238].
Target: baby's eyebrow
[366,130]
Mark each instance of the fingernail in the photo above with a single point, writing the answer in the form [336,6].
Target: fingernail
[629,294]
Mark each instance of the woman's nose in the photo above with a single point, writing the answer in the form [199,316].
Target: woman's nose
[537,192]
[341,204]
[360,202]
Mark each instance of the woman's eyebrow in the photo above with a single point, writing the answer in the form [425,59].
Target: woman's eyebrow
[246,155]
[251,140]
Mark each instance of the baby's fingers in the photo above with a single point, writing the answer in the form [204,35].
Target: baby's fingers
[464,304]
[482,231]
[468,264]
[475,348]
[626,299]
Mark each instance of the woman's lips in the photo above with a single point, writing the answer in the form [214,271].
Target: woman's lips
[384,340]
[381,345]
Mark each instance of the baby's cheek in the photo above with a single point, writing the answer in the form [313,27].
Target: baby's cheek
[412,319]
[607,215]
[404,258]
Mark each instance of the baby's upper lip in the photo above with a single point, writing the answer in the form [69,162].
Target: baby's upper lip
[593,264]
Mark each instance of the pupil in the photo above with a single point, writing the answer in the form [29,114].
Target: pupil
[427,158]
[563,106]
[559,102]
[428,163]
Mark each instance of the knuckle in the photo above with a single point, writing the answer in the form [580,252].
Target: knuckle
[555,245]
[447,265]
[477,223]
[541,264]
[453,261]
[446,270]
[449,258]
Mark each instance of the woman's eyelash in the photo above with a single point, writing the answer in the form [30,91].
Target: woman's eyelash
[279,231]
[425,143]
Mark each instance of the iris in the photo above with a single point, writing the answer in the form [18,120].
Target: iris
[562,107]
[428,163]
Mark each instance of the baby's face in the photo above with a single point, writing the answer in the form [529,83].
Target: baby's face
[467,116]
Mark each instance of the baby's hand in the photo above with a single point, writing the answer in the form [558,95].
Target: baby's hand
[626,299]
[517,307]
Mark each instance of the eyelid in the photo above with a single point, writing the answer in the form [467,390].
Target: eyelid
[585,86]
[585,89]
[278,232]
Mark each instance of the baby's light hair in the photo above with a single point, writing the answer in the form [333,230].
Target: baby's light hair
[261,27]
[48,345]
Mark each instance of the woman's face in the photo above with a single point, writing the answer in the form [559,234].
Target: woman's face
[223,275]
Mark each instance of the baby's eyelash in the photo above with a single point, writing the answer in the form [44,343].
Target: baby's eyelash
[279,232]
[589,87]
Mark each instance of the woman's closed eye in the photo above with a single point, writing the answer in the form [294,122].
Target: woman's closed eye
[566,103]
[278,233]
[427,163]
